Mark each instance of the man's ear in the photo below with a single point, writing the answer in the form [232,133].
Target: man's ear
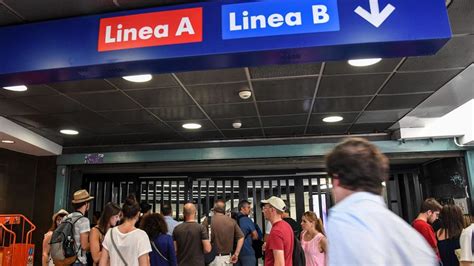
[335,182]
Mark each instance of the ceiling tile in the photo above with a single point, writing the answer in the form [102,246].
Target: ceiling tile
[247,122]
[40,121]
[275,71]
[178,113]
[381,116]
[284,120]
[105,101]
[340,86]
[458,52]
[461,16]
[111,129]
[13,107]
[52,104]
[212,76]
[158,81]
[161,97]
[300,88]
[85,119]
[230,110]
[33,90]
[79,86]
[284,107]
[130,116]
[418,82]
[284,131]
[348,118]
[156,128]
[342,67]
[243,133]
[385,102]
[6,17]
[330,105]
[178,125]
[218,93]
[328,129]
[370,128]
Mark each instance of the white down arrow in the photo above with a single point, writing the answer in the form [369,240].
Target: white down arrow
[375,17]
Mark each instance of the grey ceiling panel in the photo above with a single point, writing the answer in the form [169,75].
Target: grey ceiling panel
[370,128]
[105,101]
[276,71]
[6,17]
[392,102]
[243,133]
[342,67]
[381,116]
[158,81]
[328,129]
[461,16]
[350,104]
[130,116]
[458,52]
[247,122]
[85,119]
[155,128]
[293,131]
[40,121]
[161,97]
[283,120]
[111,130]
[301,88]
[52,104]
[218,93]
[348,118]
[341,86]
[418,82]
[284,107]
[212,76]
[12,107]
[230,110]
[33,90]
[92,85]
[179,113]
[178,125]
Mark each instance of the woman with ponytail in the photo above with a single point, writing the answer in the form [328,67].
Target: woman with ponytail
[313,240]
[125,245]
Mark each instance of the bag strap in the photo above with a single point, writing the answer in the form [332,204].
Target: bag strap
[116,248]
[157,250]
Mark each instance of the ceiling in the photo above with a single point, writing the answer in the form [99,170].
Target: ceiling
[288,100]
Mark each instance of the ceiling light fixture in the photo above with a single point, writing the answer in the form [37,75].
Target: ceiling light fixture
[138,78]
[6,141]
[191,126]
[332,119]
[245,94]
[69,132]
[364,62]
[16,88]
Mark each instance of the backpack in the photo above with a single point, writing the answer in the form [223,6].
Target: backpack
[257,244]
[298,253]
[63,245]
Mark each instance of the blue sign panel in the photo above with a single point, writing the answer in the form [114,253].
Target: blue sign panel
[220,34]
[279,18]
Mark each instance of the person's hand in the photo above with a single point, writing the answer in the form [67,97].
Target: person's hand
[264,246]
[234,258]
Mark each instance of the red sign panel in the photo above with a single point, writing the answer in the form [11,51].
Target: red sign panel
[151,29]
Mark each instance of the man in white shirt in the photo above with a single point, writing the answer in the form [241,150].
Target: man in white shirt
[361,230]
[167,212]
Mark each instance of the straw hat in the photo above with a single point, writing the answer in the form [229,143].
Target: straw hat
[81,196]
[60,212]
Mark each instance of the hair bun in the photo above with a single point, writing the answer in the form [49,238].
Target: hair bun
[131,200]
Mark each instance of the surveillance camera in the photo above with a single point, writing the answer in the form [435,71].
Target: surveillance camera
[237,124]
[245,94]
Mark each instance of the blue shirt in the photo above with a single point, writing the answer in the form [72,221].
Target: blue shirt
[247,227]
[362,231]
[171,224]
[165,245]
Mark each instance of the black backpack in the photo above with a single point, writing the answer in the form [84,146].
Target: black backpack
[62,244]
[298,253]
[257,244]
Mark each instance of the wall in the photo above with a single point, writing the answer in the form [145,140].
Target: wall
[27,186]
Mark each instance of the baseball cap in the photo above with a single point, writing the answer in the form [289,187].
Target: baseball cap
[276,203]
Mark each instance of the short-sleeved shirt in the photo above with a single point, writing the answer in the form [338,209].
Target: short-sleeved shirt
[188,237]
[280,238]
[427,232]
[82,225]
[466,244]
[247,227]
[224,232]
[171,223]
[132,245]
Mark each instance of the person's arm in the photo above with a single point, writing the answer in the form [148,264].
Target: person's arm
[95,245]
[175,247]
[172,253]
[254,235]
[206,246]
[85,241]
[45,257]
[104,258]
[465,263]
[235,256]
[323,245]
[279,256]
[144,260]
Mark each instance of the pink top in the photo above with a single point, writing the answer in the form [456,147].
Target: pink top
[311,250]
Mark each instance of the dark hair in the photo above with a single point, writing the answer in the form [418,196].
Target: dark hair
[242,203]
[430,204]
[144,207]
[358,165]
[97,215]
[110,210]
[220,200]
[131,207]
[154,224]
[166,209]
[77,206]
[452,221]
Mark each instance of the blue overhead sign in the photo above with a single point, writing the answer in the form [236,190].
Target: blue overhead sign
[220,34]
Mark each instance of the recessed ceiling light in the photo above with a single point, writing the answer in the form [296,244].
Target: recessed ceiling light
[191,126]
[69,132]
[332,119]
[138,78]
[16,88]
[364,62]
[6,141]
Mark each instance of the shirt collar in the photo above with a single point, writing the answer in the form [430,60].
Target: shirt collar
[360,196]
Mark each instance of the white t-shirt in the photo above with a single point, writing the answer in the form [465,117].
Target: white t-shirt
[81,226]
[132,245]
[465,241]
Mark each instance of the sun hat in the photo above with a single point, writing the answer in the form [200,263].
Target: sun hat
[81,196]
[276,203]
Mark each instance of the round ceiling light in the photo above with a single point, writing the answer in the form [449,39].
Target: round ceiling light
[191,126]
[332,119]
[6,141]
[16,88]
[138,78]
[69,132]
[364,62]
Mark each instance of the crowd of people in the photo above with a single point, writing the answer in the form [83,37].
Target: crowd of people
[360,229]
